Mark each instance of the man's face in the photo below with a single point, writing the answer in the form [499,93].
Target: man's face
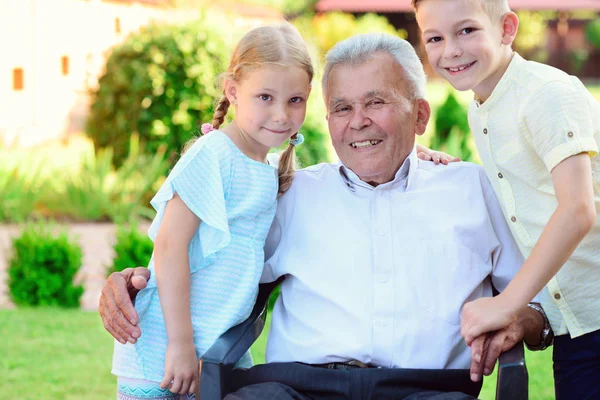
[371,120]
[462,43]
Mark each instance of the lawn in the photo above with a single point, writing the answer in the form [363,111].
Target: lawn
[54,354]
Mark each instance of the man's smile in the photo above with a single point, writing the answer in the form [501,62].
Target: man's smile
[365,143]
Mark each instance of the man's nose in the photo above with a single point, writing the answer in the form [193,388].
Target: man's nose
[360,118]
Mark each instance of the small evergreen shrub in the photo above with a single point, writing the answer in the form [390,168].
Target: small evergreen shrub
[42,268]
[132,249]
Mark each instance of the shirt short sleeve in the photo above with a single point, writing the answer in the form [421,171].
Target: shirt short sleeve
[559,118]
[201,179]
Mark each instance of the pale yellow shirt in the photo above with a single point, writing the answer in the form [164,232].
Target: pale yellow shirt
[536,117]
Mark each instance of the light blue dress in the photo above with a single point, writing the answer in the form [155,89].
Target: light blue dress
[235,198]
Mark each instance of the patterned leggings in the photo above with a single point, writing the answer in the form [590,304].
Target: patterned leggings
[136,389]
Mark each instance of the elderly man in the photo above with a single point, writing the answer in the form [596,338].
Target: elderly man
[380,251]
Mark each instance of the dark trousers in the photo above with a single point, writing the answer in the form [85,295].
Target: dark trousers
[302,382]
[577,367]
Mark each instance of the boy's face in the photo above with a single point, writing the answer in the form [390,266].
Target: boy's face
[462,43]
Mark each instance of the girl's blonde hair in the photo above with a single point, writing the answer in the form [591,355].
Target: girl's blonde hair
[281,45]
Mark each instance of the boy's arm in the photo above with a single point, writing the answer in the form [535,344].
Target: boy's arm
[573,218]
[172,267]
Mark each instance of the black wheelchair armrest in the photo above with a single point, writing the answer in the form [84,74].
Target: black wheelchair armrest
[232,345]
[513,380]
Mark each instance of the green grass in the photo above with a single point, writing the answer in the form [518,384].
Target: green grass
[54,354]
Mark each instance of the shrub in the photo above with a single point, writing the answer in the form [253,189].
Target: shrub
[160,83]
[42,268]
[132,249]
[592,33]
[21,192]
[452,129]
[98,192]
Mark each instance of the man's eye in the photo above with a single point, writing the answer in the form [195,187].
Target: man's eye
[342,109]
[265,97]
[375,104]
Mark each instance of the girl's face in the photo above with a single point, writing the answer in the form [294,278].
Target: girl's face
[270,105]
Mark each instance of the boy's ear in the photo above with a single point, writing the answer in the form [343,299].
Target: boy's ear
[510,26]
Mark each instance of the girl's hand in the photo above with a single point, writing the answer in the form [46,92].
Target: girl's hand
[484,315]
[181,368]
[426,154]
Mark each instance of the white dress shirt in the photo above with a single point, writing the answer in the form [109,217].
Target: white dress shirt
[380,274]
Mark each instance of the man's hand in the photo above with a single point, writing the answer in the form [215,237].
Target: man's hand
[116,306]
[486,348]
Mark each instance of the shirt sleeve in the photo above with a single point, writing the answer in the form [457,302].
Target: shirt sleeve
[559,118]
[201,179]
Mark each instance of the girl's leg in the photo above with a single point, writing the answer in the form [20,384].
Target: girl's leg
[136,389]
[577,367]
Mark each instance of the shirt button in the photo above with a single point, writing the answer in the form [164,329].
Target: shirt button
[383,279]
[557,296]
[513,219]
[485,131]
[570,134]
[500,175]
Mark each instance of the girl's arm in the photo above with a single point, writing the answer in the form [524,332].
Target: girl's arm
[573,218]
[426,154]
[171,262]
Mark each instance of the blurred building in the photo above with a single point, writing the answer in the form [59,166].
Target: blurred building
[564,38]
[53,51]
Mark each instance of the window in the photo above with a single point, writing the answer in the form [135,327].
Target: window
[18,79]
[64,65]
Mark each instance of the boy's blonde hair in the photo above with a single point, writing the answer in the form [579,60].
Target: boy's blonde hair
[280,45]
[494,9]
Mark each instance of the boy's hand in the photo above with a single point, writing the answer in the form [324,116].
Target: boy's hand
[437,157]
[181,368]
[485,315]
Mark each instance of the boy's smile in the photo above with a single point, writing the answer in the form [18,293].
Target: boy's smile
[464,45]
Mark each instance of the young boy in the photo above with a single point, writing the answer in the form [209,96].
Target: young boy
[536,130]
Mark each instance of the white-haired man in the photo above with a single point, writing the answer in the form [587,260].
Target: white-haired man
[380,251]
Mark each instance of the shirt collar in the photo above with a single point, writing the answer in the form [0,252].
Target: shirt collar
[403,176]
[504,82]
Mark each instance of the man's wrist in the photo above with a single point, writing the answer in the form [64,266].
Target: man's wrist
[544,337]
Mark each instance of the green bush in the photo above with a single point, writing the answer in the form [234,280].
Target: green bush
[160,83]
[132,249]
[98,192]
[21,191]
[452,129]
[42,268]
[592,33]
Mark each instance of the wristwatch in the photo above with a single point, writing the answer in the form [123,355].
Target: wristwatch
[547,334]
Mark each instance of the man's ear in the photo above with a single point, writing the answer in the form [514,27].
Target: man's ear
[230,89]
[423,114]
[510,26]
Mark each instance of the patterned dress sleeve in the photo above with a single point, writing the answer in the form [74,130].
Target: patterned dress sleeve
[201,179]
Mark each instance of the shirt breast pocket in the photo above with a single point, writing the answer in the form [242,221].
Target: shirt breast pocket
[449,277]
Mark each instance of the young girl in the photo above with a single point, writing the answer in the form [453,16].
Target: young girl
[213,214]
